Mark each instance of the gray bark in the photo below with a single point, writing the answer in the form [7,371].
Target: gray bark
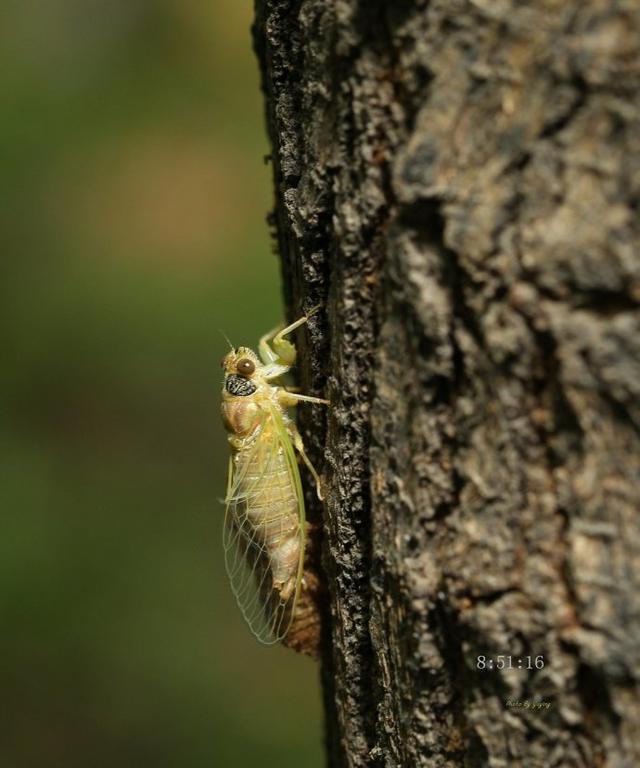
[457,183]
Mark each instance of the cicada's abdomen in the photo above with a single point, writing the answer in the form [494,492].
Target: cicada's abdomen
[270,516]
[267,524]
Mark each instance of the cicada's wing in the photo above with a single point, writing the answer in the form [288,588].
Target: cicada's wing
[264,530]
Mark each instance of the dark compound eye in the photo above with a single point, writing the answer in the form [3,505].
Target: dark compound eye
[245,367]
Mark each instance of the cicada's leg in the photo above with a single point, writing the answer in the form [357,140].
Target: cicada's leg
[282,351]
[299,446]
[267,355]
[288,399]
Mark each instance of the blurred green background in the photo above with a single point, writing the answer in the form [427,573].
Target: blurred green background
[134,196]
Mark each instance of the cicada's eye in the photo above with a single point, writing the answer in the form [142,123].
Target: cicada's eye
[245,367]
[222,359]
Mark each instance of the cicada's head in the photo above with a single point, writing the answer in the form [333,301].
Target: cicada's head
[242,372]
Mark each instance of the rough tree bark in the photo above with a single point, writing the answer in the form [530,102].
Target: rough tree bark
[457,182]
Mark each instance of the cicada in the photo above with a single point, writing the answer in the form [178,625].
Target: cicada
[265,530]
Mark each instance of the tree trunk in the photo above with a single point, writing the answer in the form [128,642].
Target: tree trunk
[457,183]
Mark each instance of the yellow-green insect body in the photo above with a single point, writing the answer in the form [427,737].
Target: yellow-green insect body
[265,528]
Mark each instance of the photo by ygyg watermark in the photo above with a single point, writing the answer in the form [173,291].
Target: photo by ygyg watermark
[529,704]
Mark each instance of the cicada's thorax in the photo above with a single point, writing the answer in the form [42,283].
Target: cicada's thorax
[243,414]
[270,502]
[241,417]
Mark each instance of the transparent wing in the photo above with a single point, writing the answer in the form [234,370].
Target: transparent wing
[264,529]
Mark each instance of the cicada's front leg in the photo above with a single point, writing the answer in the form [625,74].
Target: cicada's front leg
[278,357]
[281,351]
